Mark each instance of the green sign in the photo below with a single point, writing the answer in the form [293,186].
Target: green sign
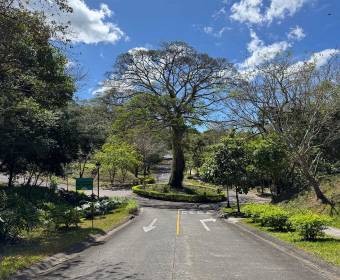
[84,184]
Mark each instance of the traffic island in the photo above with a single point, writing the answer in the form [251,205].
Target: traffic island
[188,193]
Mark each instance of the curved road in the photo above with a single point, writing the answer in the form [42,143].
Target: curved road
[176,244]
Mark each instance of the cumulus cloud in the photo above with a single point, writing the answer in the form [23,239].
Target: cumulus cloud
[90,25]
[260,53]
[296,33]
[255,11]
[85,25]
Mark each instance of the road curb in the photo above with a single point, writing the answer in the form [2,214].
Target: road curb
[51,263]
[314,263]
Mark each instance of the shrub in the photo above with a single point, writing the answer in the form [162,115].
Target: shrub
[58,215]
[310,226]
[16,215]
[132,207]
[254,211]
[275,218]
[101,207]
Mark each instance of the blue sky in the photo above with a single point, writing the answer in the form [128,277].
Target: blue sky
[246,32]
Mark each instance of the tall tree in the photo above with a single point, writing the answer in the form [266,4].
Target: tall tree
[300,103]
[34,88]
[177,86]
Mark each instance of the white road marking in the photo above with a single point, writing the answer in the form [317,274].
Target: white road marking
[151,226]
[203,222]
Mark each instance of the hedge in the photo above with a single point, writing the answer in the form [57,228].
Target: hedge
[308,225]
[181,197]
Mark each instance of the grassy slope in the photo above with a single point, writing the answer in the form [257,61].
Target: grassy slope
[39,244]
[325,248]
[307,201]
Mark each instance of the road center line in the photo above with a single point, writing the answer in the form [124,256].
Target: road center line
[178,222]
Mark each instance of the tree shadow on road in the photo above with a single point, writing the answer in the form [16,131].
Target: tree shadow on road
[79,270]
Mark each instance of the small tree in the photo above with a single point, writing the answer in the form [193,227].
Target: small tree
[117,155]
[228,165]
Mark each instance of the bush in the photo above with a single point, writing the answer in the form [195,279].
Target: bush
[268,215]
[178,196]
[58,215]
[254,211]
[101,207]
[310,226]
[276,218]
[132,207]
[16,215]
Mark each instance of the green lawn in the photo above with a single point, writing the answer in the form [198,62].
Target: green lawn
[326,248]
[39,244]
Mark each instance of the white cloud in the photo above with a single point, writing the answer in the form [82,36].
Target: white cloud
[216,33]
[89,25]
[86,25]
[321,58]
[247,11]
[254,12]
[296,33]
[260,52]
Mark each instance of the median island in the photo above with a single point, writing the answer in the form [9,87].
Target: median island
[188,193]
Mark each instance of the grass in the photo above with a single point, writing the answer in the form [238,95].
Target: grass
[325,248]
[39,244]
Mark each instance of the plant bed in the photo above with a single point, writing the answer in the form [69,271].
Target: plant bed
[190,193]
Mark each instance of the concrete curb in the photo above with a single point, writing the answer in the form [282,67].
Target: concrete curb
[326,270]
[51,263]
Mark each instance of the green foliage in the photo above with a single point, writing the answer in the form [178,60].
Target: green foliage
[58,215]
[102,207]
[132,207]
[117,155]
[16,215]
[171,195]
[310,226]
[148,180]
[35,88]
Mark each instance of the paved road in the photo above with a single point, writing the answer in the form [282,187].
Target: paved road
[218,251]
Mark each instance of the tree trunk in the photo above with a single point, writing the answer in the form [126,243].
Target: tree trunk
[315,184]
[228,200]
[10,176]
[178,161]
[238,201]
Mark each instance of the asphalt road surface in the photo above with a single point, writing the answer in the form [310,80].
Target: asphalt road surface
[164,244]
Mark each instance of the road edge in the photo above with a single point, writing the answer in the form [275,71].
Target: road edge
[52,262]
[324,268]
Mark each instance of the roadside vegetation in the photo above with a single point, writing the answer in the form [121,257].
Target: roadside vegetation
[301,229]
[38,222]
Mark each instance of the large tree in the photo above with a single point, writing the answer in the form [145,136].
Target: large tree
[34,90]
[177,86]
[300,103]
